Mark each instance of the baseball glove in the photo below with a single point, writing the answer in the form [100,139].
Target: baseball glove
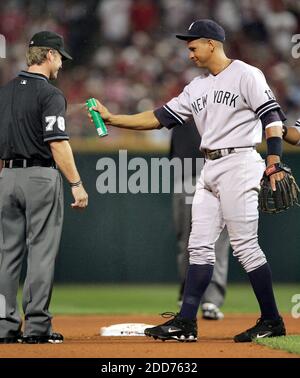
[286,194]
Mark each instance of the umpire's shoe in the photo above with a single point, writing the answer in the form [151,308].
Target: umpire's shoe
[178,328]
[211,312]
[53,338]
[11,339]
[263,328]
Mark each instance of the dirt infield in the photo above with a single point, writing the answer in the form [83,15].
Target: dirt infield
[82,339]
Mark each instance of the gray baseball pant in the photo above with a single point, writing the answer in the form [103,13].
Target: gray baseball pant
[31,217]
[227,193]
[215,293]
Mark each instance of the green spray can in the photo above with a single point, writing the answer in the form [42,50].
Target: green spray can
[98,121]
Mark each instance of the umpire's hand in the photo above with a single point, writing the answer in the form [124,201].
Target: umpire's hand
[80,197]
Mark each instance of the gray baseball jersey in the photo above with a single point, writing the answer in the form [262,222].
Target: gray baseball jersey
[226,107]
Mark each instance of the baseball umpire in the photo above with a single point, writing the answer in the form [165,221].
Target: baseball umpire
[230,104]
[33,145]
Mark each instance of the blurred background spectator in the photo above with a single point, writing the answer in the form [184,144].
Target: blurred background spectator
[125,51]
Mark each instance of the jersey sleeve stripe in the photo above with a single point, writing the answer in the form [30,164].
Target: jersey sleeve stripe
[274,105]
[176,116]
[57,137]
[297,123]
[261,107]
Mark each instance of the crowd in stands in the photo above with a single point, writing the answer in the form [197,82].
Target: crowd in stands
[125,51]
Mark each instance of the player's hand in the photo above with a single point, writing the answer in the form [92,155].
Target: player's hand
[80,197]
[276,177]
[104,112]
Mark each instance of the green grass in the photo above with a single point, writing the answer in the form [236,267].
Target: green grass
[151,299]
[288,343]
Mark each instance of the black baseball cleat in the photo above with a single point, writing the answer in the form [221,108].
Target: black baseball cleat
[263,328]
[53,338]
[177,328]
[11,339]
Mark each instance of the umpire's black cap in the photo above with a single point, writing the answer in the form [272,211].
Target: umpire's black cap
[204,29]
[50,39]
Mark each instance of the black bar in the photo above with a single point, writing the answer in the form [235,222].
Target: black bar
[95,367]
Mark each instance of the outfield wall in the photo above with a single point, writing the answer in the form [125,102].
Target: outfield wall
[130,237]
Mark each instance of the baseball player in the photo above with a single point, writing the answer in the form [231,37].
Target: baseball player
[33,143]
[185,142]
[230,106]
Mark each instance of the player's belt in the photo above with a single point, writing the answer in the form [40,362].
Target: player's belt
[26,163]
[217,154]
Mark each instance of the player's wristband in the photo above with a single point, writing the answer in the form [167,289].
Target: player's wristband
[274,146]
[75,184]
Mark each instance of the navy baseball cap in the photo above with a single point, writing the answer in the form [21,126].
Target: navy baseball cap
[204,29]
[50,39]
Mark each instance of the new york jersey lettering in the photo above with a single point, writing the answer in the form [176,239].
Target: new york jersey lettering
[199,104]
[227,98]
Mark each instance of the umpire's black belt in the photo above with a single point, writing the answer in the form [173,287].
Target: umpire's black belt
[26,163]
[217,154]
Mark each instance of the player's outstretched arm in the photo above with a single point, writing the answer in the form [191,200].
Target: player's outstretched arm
[140,121]
[291,135]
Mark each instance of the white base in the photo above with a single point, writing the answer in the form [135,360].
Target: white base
[125,329]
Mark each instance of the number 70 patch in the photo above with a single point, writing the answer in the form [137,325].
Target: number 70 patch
[51,120]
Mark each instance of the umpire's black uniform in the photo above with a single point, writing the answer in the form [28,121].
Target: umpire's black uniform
[31,200]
